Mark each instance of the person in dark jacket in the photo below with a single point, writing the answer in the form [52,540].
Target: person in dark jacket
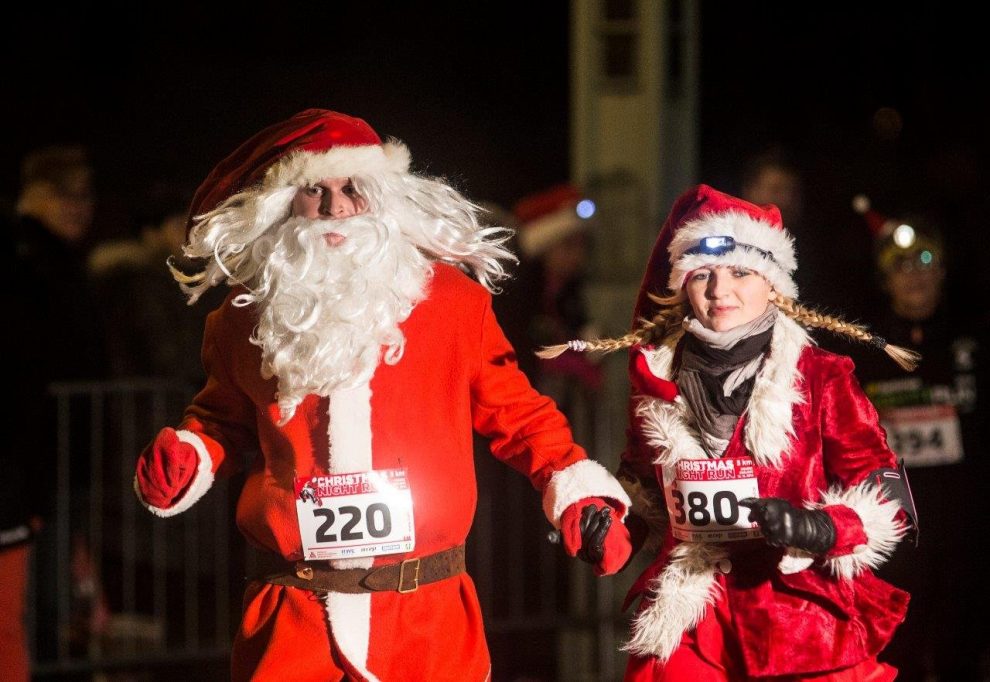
[933,422]
[54,336]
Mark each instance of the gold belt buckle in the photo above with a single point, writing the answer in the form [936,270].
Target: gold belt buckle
[402,576]
[303,572]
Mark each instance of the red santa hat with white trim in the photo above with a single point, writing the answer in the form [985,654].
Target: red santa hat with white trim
[548,216]
[304,149]
[709,227]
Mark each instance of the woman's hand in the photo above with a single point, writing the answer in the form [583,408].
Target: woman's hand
[590,533]
[784,525]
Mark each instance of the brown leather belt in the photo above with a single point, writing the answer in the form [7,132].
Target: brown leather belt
[318,576]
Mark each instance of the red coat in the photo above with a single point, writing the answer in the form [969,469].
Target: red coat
[457,372]
[815,438]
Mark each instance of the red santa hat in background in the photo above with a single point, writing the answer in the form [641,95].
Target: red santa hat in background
[548,216]
[880,226]
[304,149]
[708,227]
[896,240]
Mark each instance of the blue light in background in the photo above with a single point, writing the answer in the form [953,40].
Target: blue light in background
[585,209]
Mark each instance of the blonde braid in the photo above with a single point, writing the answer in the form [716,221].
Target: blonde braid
[659,328]
[904,357]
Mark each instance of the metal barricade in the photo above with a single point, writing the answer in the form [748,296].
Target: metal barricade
[115,588]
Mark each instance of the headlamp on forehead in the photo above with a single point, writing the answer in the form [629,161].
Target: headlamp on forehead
[716,246]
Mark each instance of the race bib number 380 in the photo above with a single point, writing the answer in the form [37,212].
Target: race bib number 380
[703,499]
[366,513]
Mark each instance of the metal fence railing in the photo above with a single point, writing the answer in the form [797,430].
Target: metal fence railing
[115,588]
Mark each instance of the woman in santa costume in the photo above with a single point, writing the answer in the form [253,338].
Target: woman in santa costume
[757,462]
[346,370]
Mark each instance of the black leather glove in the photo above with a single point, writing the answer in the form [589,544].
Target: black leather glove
[784,525]
[595,523]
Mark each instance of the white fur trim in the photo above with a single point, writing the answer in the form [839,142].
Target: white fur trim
[659,358]
[770,415]
[680,595]
[880,523]
[666,428]
[537,236]
[585,478]
[769,418]
[349,433]
[795,560]
[350,626]
[745,230]
[202,481]
[303,168]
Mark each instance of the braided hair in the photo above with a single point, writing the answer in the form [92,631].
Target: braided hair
[667,323]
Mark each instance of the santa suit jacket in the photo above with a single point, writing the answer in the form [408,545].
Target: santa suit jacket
[815,440]
[457,372]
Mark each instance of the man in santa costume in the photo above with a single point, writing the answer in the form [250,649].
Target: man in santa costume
[346,369]
[758,462]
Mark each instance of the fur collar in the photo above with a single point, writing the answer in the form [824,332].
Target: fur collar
[768,427]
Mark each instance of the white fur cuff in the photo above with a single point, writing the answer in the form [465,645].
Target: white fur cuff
[880,523]
[582,479]
[202,481]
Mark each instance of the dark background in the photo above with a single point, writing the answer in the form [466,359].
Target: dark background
[479,92]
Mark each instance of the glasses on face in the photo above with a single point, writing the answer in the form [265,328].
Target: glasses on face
[922,261]
[716,246]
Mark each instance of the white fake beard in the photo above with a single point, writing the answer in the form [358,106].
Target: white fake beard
[328,313]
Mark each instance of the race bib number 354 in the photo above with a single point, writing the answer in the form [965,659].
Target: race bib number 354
[366,513]
[703,499]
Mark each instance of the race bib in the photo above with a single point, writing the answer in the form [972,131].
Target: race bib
[924,436]
[367,513]
[703,499]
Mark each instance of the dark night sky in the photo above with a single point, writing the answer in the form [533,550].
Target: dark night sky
[479,96]
[479,92]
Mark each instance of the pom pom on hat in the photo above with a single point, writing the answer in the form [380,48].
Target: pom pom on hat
[549,216]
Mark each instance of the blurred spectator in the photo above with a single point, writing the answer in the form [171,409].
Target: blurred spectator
[151,329]
[932,419]
[773,177]
[554,240]
[56,337]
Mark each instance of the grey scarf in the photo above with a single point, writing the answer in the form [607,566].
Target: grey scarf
[717,373]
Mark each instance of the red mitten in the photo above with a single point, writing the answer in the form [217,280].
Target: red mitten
[166,468]
[591,530]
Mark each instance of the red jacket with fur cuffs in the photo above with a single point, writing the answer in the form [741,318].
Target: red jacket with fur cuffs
[815,439]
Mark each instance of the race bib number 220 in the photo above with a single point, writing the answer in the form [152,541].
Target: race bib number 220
[366,513]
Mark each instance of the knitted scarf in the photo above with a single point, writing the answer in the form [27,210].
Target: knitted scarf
[717,373]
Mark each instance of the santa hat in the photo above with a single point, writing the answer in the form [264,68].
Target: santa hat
[312,145]
[897,240]
[880,225]
[708,227]
[549,216]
